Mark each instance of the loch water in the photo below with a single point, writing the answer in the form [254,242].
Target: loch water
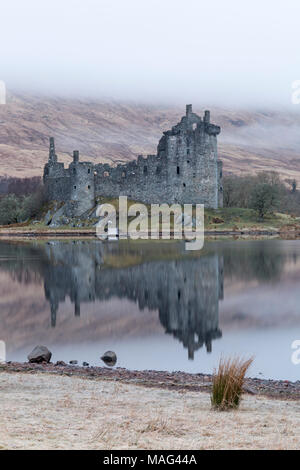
[155,304]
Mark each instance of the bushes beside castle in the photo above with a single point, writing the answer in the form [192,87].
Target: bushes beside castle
[19,205]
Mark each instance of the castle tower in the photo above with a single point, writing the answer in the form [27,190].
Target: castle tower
[82,184]
[54,176]
[190,151]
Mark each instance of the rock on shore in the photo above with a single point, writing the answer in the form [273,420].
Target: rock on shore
[39,354]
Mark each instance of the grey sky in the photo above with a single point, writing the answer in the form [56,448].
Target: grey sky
[224,51]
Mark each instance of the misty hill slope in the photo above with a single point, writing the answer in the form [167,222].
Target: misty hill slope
[109,131]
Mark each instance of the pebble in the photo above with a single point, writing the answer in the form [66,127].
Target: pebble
[60,363]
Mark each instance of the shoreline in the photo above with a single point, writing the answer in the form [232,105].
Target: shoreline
[177,381]
[92,234]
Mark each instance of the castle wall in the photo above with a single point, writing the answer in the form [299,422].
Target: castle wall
[142,180]
[220,183]
[58,189]
[57,181]
[185,170]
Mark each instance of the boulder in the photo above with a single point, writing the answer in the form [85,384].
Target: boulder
[64,220]
[55,220]
[109,358]
[48,218]
[54,224]
[217,220]
[39,354]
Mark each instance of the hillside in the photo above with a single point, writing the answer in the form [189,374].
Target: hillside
[109,131]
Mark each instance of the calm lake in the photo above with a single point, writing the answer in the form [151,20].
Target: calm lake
[155,304]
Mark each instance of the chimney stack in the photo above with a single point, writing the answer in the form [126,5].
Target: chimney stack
[189,109]
[52,156]
[76,156]
[207,117]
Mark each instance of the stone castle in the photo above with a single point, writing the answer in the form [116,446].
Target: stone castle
[185,170]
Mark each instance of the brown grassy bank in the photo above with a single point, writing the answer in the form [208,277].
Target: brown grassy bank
[43,411]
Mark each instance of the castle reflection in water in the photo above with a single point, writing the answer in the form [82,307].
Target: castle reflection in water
[185,292]
[183,289]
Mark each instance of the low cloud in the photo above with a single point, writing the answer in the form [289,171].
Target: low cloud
[217,52]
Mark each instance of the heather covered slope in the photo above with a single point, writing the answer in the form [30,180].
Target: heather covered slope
[110,131]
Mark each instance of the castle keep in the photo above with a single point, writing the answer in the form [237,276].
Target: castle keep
[185,169]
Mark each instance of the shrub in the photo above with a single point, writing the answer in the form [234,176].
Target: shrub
[228,383]
[31,205]
[264,192]
[9,209]
[15,209]
[265,198]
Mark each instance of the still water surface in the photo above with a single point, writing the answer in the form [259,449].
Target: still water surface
[158,306]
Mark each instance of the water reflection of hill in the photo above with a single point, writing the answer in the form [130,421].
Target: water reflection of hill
[184,291]
[258,261]
[184,288]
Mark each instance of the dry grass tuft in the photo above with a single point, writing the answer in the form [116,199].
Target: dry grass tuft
[228,383]
[162,426]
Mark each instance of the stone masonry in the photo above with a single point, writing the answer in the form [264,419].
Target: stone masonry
[185,170]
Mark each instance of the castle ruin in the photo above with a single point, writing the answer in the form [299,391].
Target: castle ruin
[185,170]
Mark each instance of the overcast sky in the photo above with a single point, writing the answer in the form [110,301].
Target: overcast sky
[232,52]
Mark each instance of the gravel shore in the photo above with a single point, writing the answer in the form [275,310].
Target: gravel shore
[281,389]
